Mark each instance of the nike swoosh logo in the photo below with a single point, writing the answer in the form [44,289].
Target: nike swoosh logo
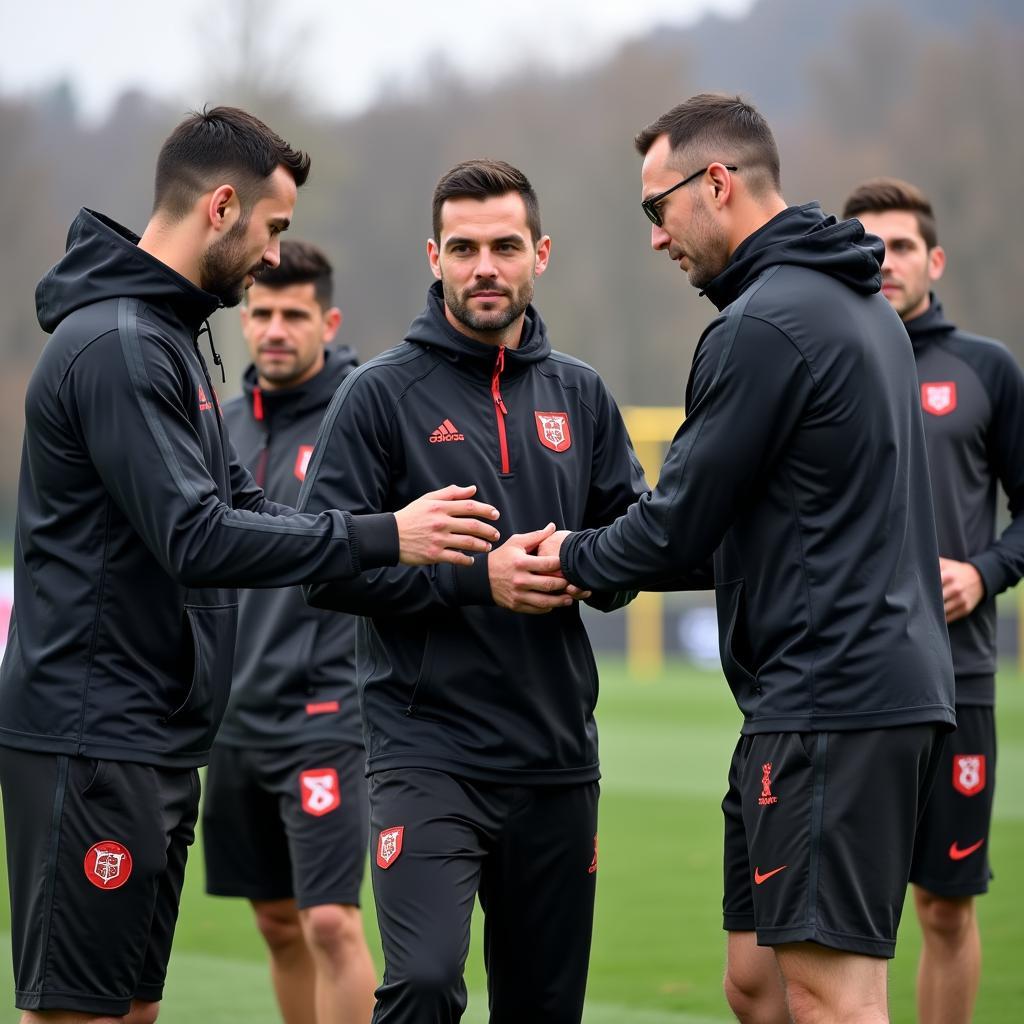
[759,878]
[955,853]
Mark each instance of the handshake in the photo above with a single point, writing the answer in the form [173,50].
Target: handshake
[525,572]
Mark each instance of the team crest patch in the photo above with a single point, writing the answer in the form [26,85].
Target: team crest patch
[108,865]
[302,460]
[320,791]
[939,398]
[969,773]
[553,430]
[389,846]
[767,797]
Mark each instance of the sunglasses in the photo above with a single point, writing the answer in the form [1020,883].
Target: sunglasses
[651,204]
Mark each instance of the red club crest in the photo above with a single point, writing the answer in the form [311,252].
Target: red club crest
[108,865]
[320,791]
[939,397]
[389,846]
[302,460]
[553,430]
[969,773]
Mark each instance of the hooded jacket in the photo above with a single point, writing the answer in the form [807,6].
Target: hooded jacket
[972,398]
[449,680]
[294,679]
[801,470]
[136,520]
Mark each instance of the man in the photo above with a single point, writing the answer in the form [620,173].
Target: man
[800,471]
[972,397]
[285,813]
[481,741]
[135,521]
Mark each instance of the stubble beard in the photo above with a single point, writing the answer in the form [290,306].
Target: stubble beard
[224,265]
[486,322]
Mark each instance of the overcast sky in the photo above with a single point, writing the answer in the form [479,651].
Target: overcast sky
[338,52]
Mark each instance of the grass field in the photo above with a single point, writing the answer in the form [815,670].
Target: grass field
[658,946]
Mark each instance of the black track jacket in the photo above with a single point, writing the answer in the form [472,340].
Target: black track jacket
[448,680]
[136,520]
[295,667]
[801,468]
[972,397]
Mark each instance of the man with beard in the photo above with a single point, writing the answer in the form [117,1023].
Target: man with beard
[798,484]
[284,811]
[135,522]
[479,723]
[972,397]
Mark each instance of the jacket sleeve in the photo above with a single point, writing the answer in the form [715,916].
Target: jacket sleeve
[749,385]
[1001,564]
[352,463]
[124,396]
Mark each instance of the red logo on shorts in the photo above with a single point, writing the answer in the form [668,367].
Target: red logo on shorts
[593,864]
[389,846]
[302,460]
[969,773]
[108,865]
[939,398]
[766,797]
[553,430]
[320,791]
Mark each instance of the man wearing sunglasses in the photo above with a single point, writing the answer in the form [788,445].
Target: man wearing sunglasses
[799,481]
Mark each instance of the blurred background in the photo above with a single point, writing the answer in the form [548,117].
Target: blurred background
[387,98]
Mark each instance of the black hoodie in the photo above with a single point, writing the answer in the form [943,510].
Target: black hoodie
[801,470]
[448,680]
[136,520]
[972,396]
[295,666]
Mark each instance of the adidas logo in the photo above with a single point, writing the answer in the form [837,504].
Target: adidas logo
[446,432]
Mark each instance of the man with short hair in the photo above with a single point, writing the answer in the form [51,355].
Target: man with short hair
[135,523]
[799,484]
[285,812]
[972,398]
[481,740]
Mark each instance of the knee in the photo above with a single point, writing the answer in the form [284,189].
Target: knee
[332,929]
[430,982]
[142,1013]
[279,927]
[947,919]
[753,995]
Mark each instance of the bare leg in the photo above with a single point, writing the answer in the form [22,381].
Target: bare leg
[345,975]
[140,1013]
[753,984]
[950,968]
[828,986]
[291,964]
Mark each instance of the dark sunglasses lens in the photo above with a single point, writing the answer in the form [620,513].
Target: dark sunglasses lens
[653,214]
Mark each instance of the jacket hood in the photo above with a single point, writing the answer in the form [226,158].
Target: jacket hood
[803,236]
[339,361]
[930,325]
[431,328]
[103,261]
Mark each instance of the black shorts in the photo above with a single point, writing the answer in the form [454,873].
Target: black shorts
[951,851]
[529,853]
[96,852]
[286,823]
[819,834]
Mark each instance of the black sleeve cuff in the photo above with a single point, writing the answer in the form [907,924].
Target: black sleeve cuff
[565,556]
[374,540]
[473,582]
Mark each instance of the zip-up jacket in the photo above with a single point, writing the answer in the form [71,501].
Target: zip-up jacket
[136,520]
[449,680]
[801,470]
[295,678]
[972,397]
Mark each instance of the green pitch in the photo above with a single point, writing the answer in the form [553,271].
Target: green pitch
[658,946]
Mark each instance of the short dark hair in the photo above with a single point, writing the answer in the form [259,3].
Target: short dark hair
[880,195]
[301,263]
[486,179]
[225,144]
[717,127]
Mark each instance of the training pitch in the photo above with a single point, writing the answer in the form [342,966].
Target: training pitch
[658,948]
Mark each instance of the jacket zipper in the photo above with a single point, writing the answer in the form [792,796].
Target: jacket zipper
[260,475]
[500,412]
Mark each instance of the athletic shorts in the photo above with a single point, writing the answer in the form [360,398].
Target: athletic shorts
[528,852]
[96,852]
[287,823]
[819,834]
[951,851]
